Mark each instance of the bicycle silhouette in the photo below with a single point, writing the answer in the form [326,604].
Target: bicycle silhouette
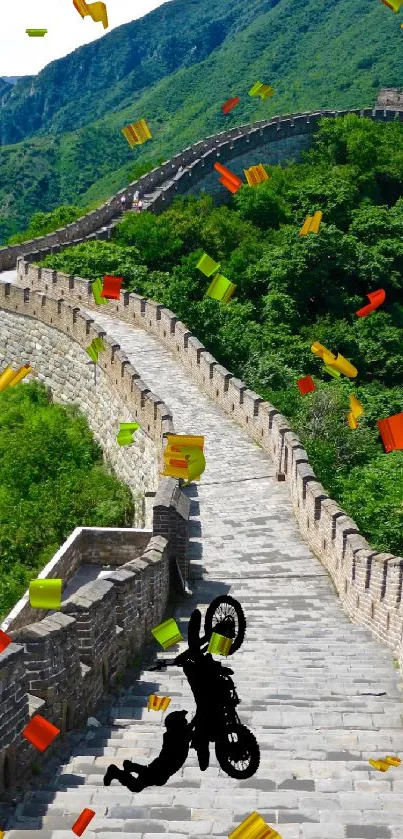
[216,720]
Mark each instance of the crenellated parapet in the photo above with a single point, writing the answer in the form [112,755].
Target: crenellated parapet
[60,664]
[369,583]
[176,176]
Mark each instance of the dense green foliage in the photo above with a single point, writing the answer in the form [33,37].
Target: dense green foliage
[292,291]
[61,138]
[43,223]
[52,480]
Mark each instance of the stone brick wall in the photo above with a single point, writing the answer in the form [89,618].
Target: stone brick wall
[65,367]
[390,97]
[106,546]
[369,583]
[61,666]
[161,185]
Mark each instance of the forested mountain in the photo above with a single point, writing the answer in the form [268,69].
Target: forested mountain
[292,291]
[175,67]
[12,79]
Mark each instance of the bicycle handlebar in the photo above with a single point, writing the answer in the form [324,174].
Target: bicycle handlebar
[182,657]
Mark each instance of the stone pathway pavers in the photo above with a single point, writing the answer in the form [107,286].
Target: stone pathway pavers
[320,694]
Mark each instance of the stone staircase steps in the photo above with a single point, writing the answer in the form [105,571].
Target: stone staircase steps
[301,673]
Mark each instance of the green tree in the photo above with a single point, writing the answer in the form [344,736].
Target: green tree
[52,479]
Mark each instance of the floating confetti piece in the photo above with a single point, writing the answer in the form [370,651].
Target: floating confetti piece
[183,457]
[305,385]
[338,363]
[125,434]
[40,732]
[219,644]
[96,10]
[395,5]
[5,640]
[137,133]
[228,179]
[167,633]
[96,286]
[376,299]
[311,224]
[207,265]
[45,594]
[220,289]
[256,175]
[391,431]
[254,827]
[334,373]
[83,821]
[158,703]
[96,346]
[10,378]
[262,90]
[230,104]
[356,409]
[111,287]
[385,763]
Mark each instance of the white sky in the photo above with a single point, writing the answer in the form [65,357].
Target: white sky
[21,55]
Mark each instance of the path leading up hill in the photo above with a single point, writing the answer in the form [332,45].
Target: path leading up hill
[320,694]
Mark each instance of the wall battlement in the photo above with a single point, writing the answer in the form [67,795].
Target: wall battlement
[162,184]
[61,665]
[369,583]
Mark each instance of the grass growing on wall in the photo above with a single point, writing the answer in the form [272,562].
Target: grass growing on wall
[52,479]
[291,291]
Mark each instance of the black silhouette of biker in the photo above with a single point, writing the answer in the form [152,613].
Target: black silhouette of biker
[175,749]
[214,692]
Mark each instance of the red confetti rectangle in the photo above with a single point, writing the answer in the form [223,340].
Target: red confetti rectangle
[83,821]
[305,385]
[5,640]
[40,732]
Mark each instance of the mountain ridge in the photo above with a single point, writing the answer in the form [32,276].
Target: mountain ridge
[315,56]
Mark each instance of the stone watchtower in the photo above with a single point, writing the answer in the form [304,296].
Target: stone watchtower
[390,98]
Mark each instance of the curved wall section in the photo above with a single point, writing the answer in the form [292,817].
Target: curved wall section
[179,174]
[63,367]
[54,336]
[369,583]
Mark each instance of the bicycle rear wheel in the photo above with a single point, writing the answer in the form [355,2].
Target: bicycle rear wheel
[225,616]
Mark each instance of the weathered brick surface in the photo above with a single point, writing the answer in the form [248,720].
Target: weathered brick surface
[320,694]
[285,136]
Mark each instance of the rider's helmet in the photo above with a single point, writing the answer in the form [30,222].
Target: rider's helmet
[177,719]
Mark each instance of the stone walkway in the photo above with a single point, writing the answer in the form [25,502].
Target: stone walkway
[319,693]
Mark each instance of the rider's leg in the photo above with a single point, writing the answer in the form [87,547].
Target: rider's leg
[124,778]
[200,741]
[129,766]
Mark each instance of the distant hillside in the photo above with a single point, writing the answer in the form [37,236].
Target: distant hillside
[12,79]
[175,67]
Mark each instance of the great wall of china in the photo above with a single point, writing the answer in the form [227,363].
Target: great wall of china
[60,663]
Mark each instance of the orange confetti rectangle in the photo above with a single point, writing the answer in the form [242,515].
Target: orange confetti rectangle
[83,821]
[391,431]
[230,104]
[228,175]
[376,299]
